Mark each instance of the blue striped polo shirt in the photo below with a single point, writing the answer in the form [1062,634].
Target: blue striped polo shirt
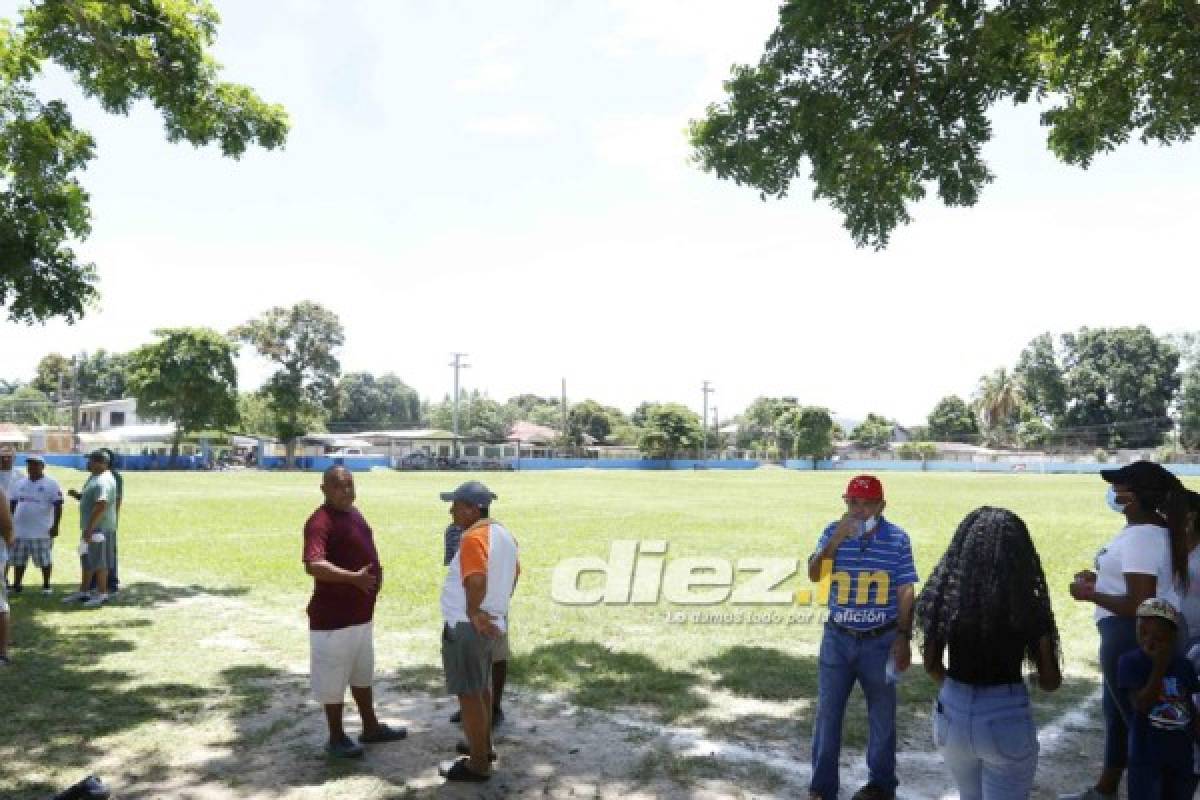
[866,560]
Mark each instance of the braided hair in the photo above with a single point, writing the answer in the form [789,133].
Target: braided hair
[988,586]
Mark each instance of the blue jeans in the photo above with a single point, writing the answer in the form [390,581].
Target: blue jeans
[843,661]
[987,738]
[1152,782]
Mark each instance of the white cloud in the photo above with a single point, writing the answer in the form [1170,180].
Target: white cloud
[489,78]
[653,143]
[515,126]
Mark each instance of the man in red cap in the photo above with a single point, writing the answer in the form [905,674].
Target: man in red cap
[866,637]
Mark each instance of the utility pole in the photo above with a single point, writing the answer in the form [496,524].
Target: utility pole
[717,430]
[458,364]
[707,389]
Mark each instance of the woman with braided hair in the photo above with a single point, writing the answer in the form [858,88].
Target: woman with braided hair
[985,611]
[1147,558]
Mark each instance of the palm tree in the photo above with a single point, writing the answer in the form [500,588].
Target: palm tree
[997,401]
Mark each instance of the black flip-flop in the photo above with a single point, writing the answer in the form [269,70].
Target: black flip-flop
[459,771]
[384,733]
[465,749]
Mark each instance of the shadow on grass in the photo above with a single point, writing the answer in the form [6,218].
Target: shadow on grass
[764,673]
[57,703]
[149,594]
[591,674]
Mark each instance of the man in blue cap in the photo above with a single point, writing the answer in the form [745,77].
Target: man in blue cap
[475,601]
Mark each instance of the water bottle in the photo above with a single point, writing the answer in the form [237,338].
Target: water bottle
[890,673]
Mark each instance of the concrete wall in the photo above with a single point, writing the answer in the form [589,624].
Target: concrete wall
[630,463]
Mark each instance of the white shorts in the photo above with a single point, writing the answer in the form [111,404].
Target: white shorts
[340,658]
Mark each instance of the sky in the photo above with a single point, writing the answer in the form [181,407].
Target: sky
[512,181]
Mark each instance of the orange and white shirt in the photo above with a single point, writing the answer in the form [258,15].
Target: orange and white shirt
[488,549]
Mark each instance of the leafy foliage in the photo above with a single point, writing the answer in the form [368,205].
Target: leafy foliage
[952,420]
[365,402]
[479,416]
[301,340]
[671,430]
[118,53]
[873,433]
[884,98]
[806,432]
[1043,385]
[187,376]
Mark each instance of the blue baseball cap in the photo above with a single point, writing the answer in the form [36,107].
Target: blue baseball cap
[472,492]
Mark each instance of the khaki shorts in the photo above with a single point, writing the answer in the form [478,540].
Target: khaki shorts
[339,659]
[466,659]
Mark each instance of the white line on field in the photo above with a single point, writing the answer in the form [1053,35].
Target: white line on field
[691,742]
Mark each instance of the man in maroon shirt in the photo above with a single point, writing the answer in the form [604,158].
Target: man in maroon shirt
[339,552]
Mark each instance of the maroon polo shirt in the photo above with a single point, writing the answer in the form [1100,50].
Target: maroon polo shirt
[344,539]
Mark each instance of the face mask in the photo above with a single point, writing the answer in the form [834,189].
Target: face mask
[1111,499]
[868,525]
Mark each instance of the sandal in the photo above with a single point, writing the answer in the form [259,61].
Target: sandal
[463,748]
[459,771]
[384,733]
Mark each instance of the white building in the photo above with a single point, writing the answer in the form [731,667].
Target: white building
[95,417]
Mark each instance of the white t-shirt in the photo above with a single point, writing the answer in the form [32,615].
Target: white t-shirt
[1139,549]
[8,479]
[35,507]
[489,549]
[1191,600]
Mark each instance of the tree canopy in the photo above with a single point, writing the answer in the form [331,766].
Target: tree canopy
[887,98]
[952,420]
[365,402]
[188,377]
[118,53]
[671,429]
[302,341]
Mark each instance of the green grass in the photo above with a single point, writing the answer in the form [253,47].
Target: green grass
[207,555]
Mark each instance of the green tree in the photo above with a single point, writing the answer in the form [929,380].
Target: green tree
[364,402]
[119,53]
[671,430]
[1120,385]
[758,425]
[25,405]
[1189,408]
[873,433]
[952,420]
[887,98]
[806,432]
[53,375]
[595,420]
[302,341]
[1040,373]
[998,402]
[479,416]
[188,377]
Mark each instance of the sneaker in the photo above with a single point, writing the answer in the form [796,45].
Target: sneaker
[456,717]
[1089,793]
[95,601]
[5,661]
[77,597]
[873,791]
[344,748]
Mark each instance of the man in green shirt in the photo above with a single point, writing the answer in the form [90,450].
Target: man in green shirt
[97,526]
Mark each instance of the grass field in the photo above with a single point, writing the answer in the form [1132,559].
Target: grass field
[212,628]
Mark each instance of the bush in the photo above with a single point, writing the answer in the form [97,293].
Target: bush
[1100,455]
[917,451]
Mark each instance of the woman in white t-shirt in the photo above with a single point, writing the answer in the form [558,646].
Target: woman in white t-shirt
[1191,598]
[1147,558]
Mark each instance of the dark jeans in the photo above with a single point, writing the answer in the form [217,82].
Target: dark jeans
[1146,782]
[1118,635]
[844,661]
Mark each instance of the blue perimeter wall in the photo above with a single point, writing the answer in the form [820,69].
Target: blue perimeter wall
[365,463]
[630,463]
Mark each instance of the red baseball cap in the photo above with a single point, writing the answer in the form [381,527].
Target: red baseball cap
[864,487]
